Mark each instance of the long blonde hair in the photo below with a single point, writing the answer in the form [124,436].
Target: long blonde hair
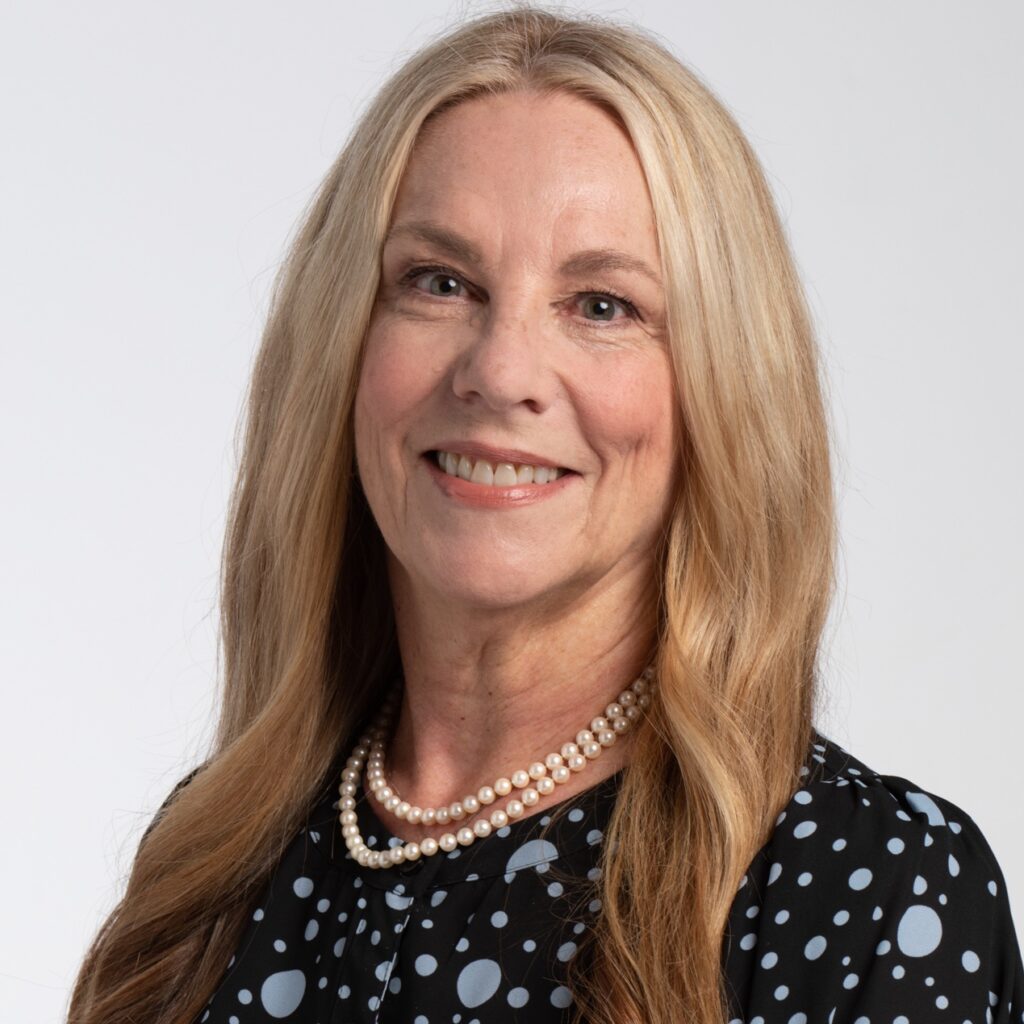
[307,630]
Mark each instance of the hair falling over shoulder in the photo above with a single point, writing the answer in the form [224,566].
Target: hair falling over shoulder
[307,639]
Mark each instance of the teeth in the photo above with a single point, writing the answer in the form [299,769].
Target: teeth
[495,474]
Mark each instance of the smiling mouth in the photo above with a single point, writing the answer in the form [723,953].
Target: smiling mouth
[494,474]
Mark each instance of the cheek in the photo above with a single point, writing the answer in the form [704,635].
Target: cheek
[631,414]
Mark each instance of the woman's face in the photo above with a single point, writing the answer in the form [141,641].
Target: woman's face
[496,338]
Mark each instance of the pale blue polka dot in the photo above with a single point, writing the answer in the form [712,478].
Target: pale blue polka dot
[576,814]
[518,997]
[245,997]
[815,947]
[860,879]
[841,917]
[798,1018]
[437,899]
[769,959]
[805,829]
[311,929]
[850,981]
[282,992]
[782,917]
[919,931]
[941,1002]
[462,945]
[839,844]
[536,853]
[561,997]
[280,945]
[323,906]
[258,915]
[923,803]
[566,951]
[804,878]
[477,982]
[303,887]
[781,992]
[970,960]
[555,889]
[748,941]
[529,945]
[398,902]
[425,965]
[895,845]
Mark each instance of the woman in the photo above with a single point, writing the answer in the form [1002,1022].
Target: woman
[528,562]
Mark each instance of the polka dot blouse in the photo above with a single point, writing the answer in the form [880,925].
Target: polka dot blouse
[874,902]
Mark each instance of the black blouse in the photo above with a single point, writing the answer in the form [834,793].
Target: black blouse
[873,902]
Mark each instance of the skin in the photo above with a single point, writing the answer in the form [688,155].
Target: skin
[517,626]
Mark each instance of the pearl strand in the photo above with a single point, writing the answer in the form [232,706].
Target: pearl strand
[604,731]
[573,757]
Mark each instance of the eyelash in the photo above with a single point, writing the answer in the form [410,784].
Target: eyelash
[419,271]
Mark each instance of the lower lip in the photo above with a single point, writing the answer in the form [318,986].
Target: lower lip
[488,496]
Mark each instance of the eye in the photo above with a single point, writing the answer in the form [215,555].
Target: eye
[448,281]
[604,303]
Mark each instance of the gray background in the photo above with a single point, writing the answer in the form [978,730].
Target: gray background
[156,158]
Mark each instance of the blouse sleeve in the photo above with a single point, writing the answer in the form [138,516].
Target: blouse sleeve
[951,952]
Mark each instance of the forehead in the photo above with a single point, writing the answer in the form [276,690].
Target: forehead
[529,171]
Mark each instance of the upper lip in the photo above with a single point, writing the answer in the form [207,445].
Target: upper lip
[478,450]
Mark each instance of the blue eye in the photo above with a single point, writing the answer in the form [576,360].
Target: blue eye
[603,297]
[441,273]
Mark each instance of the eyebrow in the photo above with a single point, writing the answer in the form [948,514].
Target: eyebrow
[586,261]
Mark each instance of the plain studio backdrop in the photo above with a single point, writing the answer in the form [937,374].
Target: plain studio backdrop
[156,158]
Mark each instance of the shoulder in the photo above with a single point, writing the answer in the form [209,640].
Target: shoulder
[878,895]
[178,787]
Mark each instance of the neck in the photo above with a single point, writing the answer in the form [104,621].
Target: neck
[482,701]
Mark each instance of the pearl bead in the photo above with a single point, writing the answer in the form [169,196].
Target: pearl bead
[350,775]
[633,712]
[470,804]
[560,774]
[530,796]
[514,808]
[643,700]
[520,779]
[598,724]
[447,842]
[414,815]
[638,686]
[499,818]
[429,846]
[613,710]
[577,762]
[429,816]
[347,803]
[403,808]
[627,698]
[392,803]
[348,817]
[568,749]
[482,828]
[584,736]
[486,795]
[606,737]
[503,787]
[538,770]
[545,786]
[363,856]
[441,816]
[592,749]
[385,794]
[465,835]
[396,854]
[552,761]
[347,789]
[413,851]
[620,724]
[457,811]
[350,829]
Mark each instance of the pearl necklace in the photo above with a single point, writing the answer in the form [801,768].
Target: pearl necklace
[557,768]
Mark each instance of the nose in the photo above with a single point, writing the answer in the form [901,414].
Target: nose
[505,362]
